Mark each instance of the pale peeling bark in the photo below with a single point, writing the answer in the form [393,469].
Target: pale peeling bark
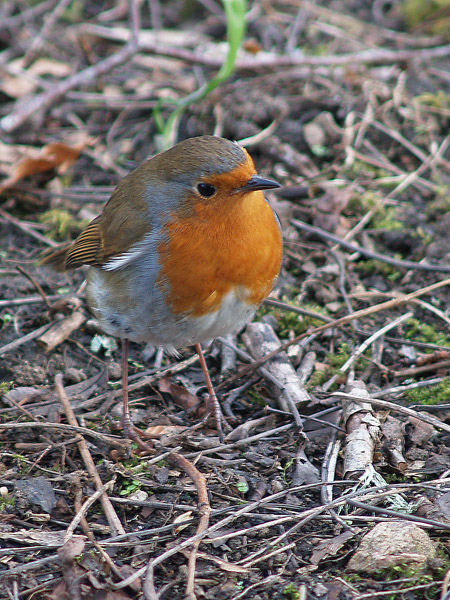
[362,428]
[285,384]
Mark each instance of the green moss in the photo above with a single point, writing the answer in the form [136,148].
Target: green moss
[423,332]
[339,358]
[61,223]
[291,592]
[292,321]
[256,398]
[5,387]
[430,15]
[435,394]
[362,169]
[332,364]
[384,217]
[438,99]
[317,379]
[441,203]
[371,266]
[387,219]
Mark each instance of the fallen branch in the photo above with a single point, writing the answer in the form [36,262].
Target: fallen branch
[110,512]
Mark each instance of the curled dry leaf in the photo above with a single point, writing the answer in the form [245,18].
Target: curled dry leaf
[182,521]
[55,155]
[181,396]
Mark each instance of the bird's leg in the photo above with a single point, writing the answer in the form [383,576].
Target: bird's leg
[216,410]
[132,432]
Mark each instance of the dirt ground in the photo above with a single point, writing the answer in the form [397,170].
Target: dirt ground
[347,105]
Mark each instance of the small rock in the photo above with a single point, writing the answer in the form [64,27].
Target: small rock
[35,491]
[114,370]
[390,544]
[73,375]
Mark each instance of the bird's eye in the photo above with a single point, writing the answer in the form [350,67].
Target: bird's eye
[206,190]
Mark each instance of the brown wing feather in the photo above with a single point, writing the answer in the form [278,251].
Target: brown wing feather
[122,224]
[87,248]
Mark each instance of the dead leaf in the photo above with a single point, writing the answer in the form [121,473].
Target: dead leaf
[181,396]
[72,548]
[223,564]
[47,66]
[183,521]
[330,547]
[55,155]
[156,431]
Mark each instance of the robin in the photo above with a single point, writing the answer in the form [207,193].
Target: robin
[184,251]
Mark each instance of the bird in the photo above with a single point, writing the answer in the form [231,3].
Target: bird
[185,250]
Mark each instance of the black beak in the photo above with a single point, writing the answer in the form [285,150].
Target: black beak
[258,183]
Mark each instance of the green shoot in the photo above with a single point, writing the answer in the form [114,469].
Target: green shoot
[235,15]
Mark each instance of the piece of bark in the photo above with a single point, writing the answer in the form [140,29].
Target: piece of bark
[260,339]
[394,442]
[362,429]
[228,356]
[306,367]
[61,330]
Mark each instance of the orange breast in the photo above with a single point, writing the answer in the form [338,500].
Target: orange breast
[232,244]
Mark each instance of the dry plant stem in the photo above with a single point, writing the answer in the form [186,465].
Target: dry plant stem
[263,61]
[407,264]
[296,309]
[343,320]
[36,285]
[148,380]
[366,495]
[77,501]
[413,372]
[426,164]
[401,409]
[245,356]
[24,110]
[445,584]
[204,510]
[393,513]
[221,524]
[217,413]
[101,437]
[111,515]
[24,339]
[370,340]
[61,330]
[23,226]
[399,389]
[85,507]
[28,300]
[49,22]
[394,591]
[178,461]
[329,467]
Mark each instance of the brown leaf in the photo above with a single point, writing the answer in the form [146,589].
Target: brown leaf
[181,396]
[55,155]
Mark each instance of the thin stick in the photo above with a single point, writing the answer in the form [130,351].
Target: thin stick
[101,437]
[343,320]
[23,111]
[36,285]
[24,339]
[407,264]
[111,515]
[212,394]
[23,226]
[397,408]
